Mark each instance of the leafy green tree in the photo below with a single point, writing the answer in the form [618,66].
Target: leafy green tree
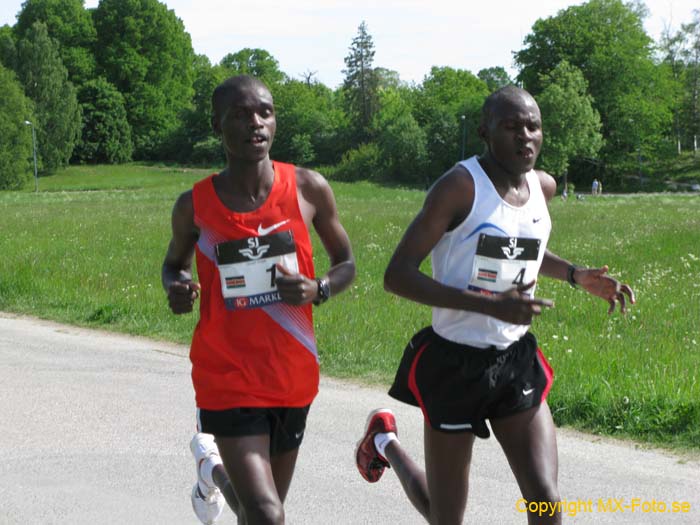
[143,49]
[681,55]
[691,103]
[671,49]
[46,83]
[8,48]
[643,120]
[401,141]
[15,136]
[311,124]
[255,62]
[571,125]
[302,150]
[361,83]
[195,125]
[106,136]
[387,78]
[206,78]
[444,96]
[606,41]
[70,24]
[495,78]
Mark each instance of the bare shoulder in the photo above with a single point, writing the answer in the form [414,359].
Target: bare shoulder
[456,178]
[184,205]
[451,198]
[310,179]
[183,214]
[455,186]
[549,185]
[313,186]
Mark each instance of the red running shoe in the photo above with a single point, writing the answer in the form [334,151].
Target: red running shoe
[369,461]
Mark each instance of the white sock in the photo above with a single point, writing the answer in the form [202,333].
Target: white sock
[206,467]
[381,440]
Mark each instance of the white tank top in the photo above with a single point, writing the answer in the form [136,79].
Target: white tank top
[495,248]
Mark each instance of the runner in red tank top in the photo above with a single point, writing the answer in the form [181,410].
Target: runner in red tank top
[254,361]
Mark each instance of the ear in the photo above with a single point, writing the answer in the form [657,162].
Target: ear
[215,125]
[482,131]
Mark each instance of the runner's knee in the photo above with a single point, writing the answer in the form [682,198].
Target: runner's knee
[545,492]
[265,512]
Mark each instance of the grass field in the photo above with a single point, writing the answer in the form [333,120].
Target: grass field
[88,250]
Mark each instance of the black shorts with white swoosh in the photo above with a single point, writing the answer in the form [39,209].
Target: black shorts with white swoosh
[284,425]
[459,387]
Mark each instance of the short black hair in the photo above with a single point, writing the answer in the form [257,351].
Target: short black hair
[231,86]
[509,94]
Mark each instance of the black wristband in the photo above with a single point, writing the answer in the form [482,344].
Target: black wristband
[324,291]
[570,275]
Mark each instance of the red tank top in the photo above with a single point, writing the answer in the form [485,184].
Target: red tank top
[249,349]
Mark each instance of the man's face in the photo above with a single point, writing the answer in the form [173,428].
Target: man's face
[246,122]
[514,134]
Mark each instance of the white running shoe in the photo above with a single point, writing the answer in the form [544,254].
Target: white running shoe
[209,504]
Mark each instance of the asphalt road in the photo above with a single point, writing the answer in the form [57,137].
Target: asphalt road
[97,426]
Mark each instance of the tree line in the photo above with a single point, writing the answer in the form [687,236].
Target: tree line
[121,82]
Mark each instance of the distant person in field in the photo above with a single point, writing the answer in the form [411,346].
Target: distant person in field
[486,224]
[600,187]
[254,360]
[595,187]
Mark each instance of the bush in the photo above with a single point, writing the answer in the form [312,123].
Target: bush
[208,152]
[362,163]
[106,134]
[302,149]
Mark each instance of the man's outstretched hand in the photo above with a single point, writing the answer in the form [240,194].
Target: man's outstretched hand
[596,281]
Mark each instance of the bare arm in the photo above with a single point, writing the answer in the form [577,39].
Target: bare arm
[320,201]
[176,274]
[447,204]
[594,280]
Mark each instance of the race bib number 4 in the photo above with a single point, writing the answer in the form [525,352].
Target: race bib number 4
[248,268]
[502,263]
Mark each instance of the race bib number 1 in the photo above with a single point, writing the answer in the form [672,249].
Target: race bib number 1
[248,268]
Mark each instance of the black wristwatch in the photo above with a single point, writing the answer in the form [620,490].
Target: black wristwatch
[324,291]
[570,274]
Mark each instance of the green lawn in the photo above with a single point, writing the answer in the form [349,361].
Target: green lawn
[88,250]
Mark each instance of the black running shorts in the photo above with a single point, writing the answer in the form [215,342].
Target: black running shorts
[458,387]
[284,425]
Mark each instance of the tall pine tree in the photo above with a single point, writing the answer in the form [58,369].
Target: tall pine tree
[361,83]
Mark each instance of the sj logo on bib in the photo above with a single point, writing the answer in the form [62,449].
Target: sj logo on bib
[501,263]
[255,250]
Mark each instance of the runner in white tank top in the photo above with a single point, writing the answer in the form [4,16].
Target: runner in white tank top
[486,224]
[495,248]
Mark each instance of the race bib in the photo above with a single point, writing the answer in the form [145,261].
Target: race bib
[247,268]
[502,263]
